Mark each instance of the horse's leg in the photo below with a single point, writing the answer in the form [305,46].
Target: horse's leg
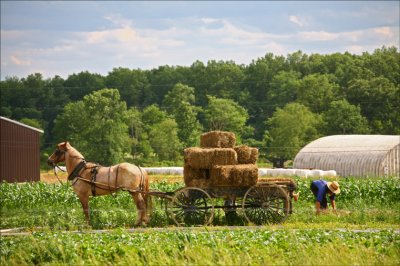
[145,200]
[85,205]
[141,209]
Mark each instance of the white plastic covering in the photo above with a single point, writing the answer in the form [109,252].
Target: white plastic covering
[164,170]
[265,172]
[150,170]
[353,155]
[262,172]
[280,172]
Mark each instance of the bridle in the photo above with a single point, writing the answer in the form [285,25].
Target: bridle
[58,153]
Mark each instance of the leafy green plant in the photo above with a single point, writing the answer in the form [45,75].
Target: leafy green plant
[226,247]
[362,202]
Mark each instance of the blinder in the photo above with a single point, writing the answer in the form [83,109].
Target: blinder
[58,153]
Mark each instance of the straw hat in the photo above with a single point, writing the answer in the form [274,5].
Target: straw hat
[334,187]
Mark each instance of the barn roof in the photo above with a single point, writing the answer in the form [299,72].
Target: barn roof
[21,124]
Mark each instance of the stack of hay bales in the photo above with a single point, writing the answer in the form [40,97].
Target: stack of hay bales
[218,162]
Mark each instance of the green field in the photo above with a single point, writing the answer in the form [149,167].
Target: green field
[364,231]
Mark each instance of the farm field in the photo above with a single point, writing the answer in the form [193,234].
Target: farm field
[364,231]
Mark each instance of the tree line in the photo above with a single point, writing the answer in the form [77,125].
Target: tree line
[275,103]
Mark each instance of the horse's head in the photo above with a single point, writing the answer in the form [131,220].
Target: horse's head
[59,154]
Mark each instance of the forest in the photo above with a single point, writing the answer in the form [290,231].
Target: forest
[275,103]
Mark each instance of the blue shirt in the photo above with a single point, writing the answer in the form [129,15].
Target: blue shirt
[323,189]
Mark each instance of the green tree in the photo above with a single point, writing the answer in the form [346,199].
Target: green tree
[164,140]
[11,91]
[164,78]
[224,79]
[344,118]
[179,102]
[299,62]
[141,148]
[22,96]
[383,62]
[97,125]
[83,83]
[379,101]
[152,115]
[226,115]
[162,132]
[316,91]
[282,89]
[31,122]
[289,129]
[132,84]
[256,84]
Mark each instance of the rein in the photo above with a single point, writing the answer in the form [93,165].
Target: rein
[103,186]
[55,172]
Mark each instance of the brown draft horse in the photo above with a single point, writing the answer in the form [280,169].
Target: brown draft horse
[89,179]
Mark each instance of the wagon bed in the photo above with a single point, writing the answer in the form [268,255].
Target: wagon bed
[267,202]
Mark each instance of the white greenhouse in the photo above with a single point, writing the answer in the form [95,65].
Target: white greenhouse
[352,155]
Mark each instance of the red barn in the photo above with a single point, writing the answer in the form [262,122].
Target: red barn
[20,151]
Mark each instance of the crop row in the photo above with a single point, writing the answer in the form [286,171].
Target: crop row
[227,247]
[34,194]
[52,205]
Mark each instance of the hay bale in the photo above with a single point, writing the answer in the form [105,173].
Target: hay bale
[234,175]
[190,174]
[200,158]
[200,183]
[217,139]
[246,154]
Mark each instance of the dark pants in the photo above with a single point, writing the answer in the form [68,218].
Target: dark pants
[324,203]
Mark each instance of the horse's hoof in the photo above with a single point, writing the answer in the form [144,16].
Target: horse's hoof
[140,224]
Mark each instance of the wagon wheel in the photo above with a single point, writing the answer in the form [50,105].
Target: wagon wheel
[191,206]
[265,204]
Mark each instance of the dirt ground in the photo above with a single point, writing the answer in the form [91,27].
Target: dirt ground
[50,178]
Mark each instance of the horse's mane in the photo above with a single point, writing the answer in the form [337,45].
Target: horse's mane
[74,152]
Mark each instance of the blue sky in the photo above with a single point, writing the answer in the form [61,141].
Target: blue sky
[62,38]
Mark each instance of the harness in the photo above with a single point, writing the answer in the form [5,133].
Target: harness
[77,170]
[75,175]
[94,175]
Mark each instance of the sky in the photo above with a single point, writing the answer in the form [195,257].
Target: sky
[66,37]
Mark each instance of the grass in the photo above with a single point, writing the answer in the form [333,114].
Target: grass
[364,231]
[202,247]
[363,202]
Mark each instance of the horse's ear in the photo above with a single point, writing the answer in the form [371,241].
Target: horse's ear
[64,145]
[67,145]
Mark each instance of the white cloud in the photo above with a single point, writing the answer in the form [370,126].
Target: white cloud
[385,32]
[356,49]
[317,36]
[297,20]
[125,34]
[209,20]
[118,20]
[19,62]
[182,43]
[377,36]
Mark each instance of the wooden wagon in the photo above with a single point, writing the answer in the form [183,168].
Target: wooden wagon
[221,175]
[267,202]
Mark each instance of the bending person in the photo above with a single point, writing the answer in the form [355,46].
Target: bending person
[321,189]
